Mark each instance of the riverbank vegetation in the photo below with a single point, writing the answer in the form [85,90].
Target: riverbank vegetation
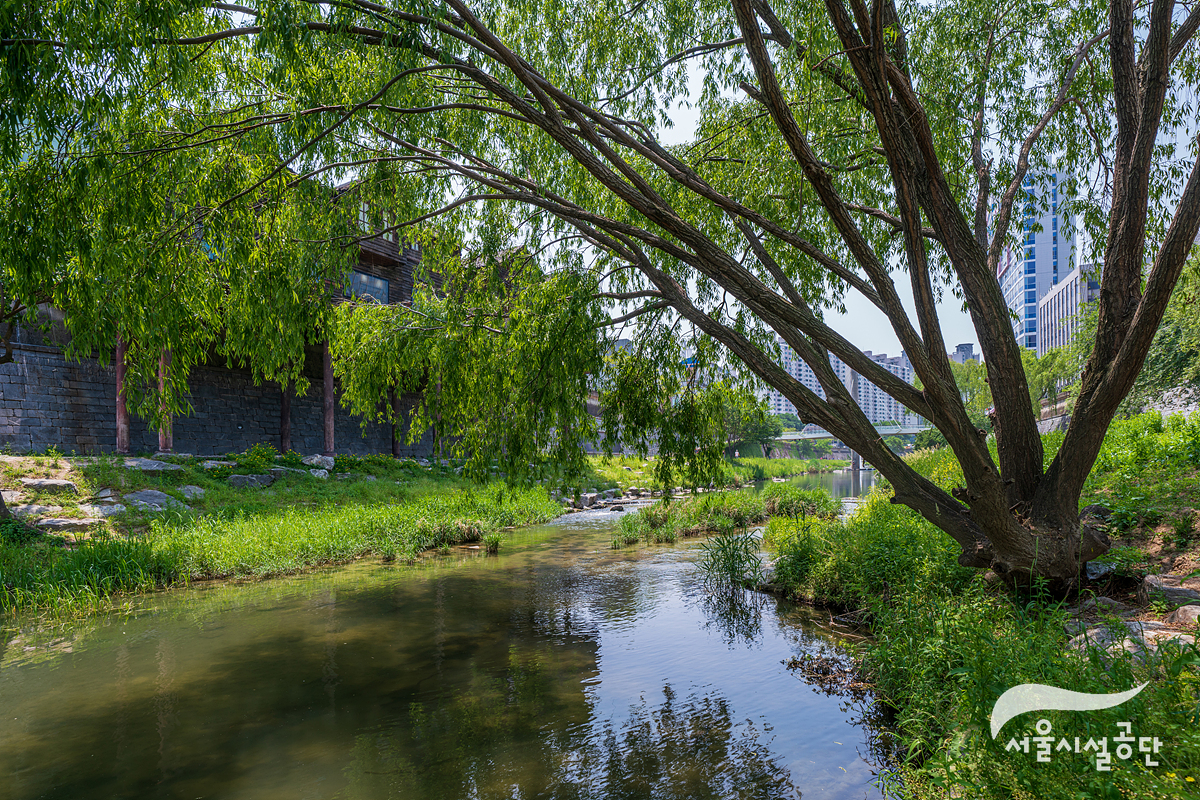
[721,513]
[244,541]
[623,471]
[946,641]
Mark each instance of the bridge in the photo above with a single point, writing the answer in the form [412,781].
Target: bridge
[813,432]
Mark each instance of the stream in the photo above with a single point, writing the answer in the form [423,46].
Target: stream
[558,669]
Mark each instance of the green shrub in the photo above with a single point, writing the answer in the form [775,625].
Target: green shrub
[258,458]
[292,459]
[344,462]
[491,542]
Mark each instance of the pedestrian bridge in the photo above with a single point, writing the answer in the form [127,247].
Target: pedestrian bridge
[813,432]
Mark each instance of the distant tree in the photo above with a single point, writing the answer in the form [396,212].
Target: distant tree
[790,422]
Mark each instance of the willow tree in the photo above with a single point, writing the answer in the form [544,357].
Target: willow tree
[879,150]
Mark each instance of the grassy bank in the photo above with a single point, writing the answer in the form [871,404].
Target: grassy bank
[625,471]
[945,644]
[721,513]
[258,537]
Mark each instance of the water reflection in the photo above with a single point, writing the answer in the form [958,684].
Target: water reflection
[562,669]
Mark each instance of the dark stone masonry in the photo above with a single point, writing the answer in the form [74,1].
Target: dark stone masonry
[47,401]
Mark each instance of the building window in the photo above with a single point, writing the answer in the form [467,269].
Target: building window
[363,285]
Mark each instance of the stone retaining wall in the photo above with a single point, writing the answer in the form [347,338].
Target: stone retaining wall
[46,401]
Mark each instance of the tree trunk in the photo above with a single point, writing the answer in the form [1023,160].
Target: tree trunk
[285,417]
[166,439]
[329,403]
[397,430]
[122,406]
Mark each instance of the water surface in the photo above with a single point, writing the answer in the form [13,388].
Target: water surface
[559,669]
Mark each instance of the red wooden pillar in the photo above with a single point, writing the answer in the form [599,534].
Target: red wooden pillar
[330,406]
[165,437]
[122,407]
[285,417]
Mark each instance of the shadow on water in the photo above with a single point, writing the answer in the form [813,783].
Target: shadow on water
[561,669]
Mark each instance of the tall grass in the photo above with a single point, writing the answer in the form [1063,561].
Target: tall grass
[945,644]
[180,549]
[721,513]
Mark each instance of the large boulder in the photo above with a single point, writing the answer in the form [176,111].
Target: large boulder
[49,485]
[250,481]
[318,462]
[191,492]
[152,500]
[1185,616]
[1166,588]
[319,473]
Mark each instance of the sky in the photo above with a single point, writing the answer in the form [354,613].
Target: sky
[862,324]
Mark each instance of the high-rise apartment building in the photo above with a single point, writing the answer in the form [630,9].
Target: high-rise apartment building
[1058,313]
[875,403]
[1047,253]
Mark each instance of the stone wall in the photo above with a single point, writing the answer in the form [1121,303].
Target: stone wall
[46,401]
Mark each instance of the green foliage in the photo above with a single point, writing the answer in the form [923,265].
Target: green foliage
[944,645]
[344,462]
[179,548]
[747,420]
[491,542]
[258,458]
[781,499]
[732,560]
[292,459]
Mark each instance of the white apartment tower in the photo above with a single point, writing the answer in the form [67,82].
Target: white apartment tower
[1047,253]
[875,403]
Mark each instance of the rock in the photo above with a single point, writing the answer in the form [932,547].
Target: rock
[1095,570]
[341,476]
[250,481]
[1166,587]
[216,464]
[1102,513]
[103,494]
[191,492]
[319,473]
[106,510]
[279,472]
[11,497]
[1159,638]
[1102,605]
[369,478]
[65,524]
[589,499]
[1185,616]
[49,485]
[1074,627]
[610,493]
[319,462]
[169,454]
[33,509]
[150,466]
[152,500]
[618,508]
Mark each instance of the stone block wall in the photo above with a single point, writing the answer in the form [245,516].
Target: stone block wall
[46,401]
